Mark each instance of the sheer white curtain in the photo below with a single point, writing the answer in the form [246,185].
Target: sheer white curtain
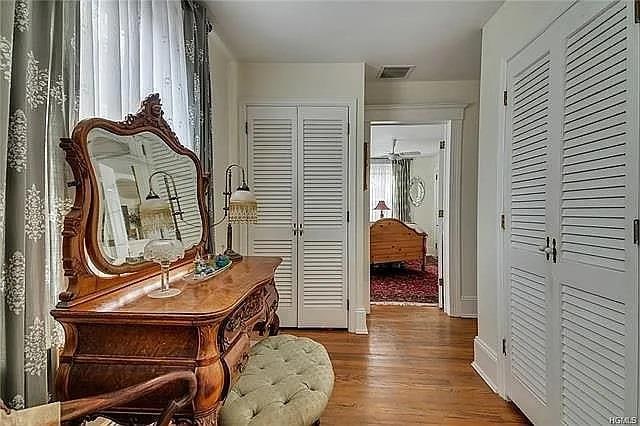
[380,187]
[129,49]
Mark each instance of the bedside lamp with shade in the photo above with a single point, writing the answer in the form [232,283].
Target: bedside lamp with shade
[382,206]
[239,207]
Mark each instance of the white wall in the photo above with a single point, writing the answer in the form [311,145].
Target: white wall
[457,92]
[512,26]
[300,82]
[225,101]
[425,215]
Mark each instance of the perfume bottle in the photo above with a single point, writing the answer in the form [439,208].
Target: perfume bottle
[197,264]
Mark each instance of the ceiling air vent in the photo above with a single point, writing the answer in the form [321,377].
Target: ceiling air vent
[395,72]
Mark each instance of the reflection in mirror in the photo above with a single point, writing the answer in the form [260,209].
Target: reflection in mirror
[147,191]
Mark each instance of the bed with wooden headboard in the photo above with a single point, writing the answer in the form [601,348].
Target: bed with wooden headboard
[392,240]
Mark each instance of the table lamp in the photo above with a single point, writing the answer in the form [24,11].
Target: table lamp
[382,206]
[156,217]
[239,207]
[165,252]
[159,213]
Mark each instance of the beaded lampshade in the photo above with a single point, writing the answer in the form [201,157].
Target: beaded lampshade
[243,207]
[155,216]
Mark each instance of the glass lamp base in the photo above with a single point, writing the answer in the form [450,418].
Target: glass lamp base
[161,294]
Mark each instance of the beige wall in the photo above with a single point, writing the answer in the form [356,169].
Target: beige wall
[443,92]
[300,81]
[225,101]
[513,25]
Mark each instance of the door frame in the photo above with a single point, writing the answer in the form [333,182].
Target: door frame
[355,319]
[456,304]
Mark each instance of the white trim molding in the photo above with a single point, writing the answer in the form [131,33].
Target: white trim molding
[485,362]
[456,304]
[423,114]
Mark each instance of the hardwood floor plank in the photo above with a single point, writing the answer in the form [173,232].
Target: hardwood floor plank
[414,368]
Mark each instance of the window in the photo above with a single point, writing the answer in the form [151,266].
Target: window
[381,187]
[129,49]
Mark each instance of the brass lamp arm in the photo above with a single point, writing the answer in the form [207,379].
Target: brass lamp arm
[227,191]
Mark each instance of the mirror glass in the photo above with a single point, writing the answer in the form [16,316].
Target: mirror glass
[147,191]
[416,191]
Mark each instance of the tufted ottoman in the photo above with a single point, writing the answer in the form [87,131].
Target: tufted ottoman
[287,382]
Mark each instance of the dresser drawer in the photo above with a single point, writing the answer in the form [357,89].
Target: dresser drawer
[244,318]
[237,356]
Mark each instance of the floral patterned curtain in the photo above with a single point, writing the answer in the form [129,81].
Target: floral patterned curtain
[37,107]
[196,38]
[401,178]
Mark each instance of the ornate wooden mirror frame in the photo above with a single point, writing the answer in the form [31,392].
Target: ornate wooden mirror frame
[88,273]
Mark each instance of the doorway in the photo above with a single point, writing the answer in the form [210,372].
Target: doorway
[449,187]
[405,161]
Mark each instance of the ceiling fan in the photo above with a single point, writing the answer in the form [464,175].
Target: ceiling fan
[393,155]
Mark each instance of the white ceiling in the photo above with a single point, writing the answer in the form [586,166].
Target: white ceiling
[442,38]
[424,138]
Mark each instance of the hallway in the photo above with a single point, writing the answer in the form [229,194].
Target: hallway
[412,368]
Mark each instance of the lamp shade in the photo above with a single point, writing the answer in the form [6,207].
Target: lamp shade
[243,207]
[381,206]
[155,215]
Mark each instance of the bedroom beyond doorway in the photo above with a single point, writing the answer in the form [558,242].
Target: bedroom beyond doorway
[404,228]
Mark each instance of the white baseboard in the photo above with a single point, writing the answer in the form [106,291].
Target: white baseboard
[359,325]
[467,307]
[485,362]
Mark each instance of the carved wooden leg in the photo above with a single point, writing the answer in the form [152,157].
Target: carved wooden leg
[274,327]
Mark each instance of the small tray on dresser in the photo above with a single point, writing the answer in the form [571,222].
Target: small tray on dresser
[191,276]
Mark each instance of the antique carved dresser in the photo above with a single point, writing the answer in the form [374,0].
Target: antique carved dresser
[116,335]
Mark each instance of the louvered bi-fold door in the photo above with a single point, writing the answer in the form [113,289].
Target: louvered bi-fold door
[527,271]
[586,371]
[272,138]
[322,209]
[596,274]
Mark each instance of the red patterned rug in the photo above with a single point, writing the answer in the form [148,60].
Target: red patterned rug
[405,283]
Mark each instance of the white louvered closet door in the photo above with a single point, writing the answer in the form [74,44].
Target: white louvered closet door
[596,274]
[322,209]
[272,136]
[528,273]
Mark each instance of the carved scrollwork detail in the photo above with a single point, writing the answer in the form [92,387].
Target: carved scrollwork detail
[248,310]
[149,114]
[75,158]
[210,420]
[66,296]
[226,342]
[72,222]
[242,362]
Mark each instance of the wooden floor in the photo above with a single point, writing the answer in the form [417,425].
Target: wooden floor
[412,368]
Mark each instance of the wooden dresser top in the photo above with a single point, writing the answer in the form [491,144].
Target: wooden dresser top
[200,299]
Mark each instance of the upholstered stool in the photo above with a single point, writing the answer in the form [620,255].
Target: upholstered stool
[287,382]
